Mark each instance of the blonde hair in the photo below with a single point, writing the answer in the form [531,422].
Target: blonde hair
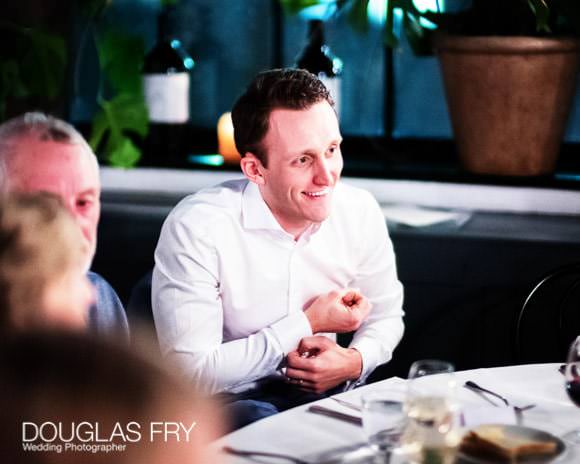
[68,378]
[39,240]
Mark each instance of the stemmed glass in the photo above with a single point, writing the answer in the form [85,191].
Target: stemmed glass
[383,420]
[572,376]
[432,430]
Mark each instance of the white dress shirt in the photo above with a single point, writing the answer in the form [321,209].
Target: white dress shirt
[230,286]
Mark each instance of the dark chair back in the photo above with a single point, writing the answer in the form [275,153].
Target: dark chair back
[549,319]
[139,307]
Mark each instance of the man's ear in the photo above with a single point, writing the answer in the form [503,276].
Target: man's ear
[252,168]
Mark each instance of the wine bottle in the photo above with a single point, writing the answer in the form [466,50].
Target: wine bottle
[318,59]
[166,82]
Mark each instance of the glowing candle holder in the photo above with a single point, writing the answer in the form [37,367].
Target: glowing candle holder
[226,144]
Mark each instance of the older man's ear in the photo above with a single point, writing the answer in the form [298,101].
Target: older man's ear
[252,168]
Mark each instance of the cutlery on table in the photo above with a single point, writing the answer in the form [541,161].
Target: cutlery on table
[474,386]
[347,404]
[478,388]
[264,454]
[316,409]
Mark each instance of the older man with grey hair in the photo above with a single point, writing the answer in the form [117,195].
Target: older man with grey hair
[42,153]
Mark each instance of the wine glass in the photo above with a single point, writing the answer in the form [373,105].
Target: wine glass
[432,432]
[572,380]
[383,419]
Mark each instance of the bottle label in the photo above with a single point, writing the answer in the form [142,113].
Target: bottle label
[333,86]
[167,97]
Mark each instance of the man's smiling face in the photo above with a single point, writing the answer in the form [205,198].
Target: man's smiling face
[304,164]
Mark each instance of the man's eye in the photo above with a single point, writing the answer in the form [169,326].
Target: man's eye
[83,203]
[302,160]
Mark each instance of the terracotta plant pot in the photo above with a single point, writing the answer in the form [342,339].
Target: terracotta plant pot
[509,99]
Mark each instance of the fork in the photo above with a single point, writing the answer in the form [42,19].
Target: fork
[264,454]
[473,386]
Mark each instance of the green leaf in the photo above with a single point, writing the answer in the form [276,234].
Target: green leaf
[121,59]
[292,7]
[166,3]
[123,153]
[93,8]
[391,39]
[542,12]
[43,65]
[123,113]
[358,15]
[10,81]
[419,37]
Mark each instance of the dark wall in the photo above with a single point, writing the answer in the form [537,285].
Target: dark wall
[463,296]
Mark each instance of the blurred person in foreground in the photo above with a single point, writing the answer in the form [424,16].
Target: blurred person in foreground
[253,278]
[42,257]
[67,398]
[40,153]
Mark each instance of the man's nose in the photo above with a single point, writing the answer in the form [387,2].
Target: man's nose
[323,174]
[70,204]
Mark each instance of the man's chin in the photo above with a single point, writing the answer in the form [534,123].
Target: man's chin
[318,217]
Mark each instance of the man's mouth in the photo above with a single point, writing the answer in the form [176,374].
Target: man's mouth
[317,194]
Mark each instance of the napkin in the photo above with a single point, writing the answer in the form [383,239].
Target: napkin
[414,216]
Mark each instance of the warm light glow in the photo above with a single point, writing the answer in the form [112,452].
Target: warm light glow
[226,144]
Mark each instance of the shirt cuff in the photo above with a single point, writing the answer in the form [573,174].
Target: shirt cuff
[368,352]
[290,330]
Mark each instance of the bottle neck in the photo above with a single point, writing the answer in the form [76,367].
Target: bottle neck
[316,33]
[164,25]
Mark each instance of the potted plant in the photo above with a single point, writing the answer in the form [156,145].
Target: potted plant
[509,70]
[40,69]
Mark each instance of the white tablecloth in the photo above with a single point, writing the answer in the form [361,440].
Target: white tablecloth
[302,434]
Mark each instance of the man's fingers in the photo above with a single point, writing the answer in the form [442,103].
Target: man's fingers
[351,297]
[295,361]
[314,345]
[297,373]
[300,382]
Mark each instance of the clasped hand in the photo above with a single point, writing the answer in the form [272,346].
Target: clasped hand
[338,311]
[320,364]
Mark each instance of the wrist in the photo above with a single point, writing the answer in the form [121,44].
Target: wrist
[355,363]
[312,320]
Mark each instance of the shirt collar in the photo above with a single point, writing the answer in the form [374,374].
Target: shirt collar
[255,211]
[257,215]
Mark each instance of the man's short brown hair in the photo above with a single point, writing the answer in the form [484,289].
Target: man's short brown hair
[294,89]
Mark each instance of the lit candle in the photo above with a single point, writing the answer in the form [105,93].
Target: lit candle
[226,144]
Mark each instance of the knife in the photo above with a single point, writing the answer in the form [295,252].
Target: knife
[335,414]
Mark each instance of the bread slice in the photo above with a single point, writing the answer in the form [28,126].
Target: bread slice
[501,443]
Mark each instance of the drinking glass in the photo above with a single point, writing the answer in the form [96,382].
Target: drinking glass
[383,419]
[572,376]
[431,434]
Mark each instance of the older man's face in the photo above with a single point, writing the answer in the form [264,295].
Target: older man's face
[65,170]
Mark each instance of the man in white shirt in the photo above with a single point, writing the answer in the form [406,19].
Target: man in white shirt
[253,278]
